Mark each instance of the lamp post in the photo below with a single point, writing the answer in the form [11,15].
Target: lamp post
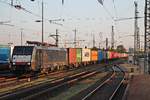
[42,20]
[21,35]
[75,37]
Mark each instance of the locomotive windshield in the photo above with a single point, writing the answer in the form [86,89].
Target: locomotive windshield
[23,50]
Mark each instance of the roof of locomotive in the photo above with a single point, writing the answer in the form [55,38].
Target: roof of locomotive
[42,47]
[49,48]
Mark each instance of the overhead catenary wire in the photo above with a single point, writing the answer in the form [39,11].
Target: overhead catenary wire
[19,7]
[129,18]
[108,13]
[116,15]
[101,2]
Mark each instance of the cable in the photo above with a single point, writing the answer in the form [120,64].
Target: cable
[108,13]
[115,9]
[129,18]
[19,7]
[27,11]
[101,2]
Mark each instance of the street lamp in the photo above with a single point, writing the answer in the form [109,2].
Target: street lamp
[42,21]
[42,30]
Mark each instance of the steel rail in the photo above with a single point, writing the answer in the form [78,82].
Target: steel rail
[91,93]
[101,85]
[111,97]
[60,85]
[5,82]
[64,81]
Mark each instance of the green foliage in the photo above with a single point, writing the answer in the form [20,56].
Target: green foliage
[94,48]
[120,48]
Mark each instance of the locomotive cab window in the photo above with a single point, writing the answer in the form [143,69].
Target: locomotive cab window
[20,50]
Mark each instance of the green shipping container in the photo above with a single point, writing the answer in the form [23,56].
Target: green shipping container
[79,55]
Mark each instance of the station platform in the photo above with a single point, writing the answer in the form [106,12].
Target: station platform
[139,88]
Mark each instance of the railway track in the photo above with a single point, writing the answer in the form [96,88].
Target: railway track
[6,81]
[15,81]
[107,90]
[37,91]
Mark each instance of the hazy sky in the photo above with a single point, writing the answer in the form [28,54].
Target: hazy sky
[87,16]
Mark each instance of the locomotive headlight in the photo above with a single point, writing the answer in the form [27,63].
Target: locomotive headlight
[14,63]
[28,63]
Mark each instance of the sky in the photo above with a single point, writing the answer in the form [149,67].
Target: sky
[88,17]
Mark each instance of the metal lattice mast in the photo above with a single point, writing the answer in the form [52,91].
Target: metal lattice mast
[136,34]
[135,29]
[112,38]
[138,39]
[106,43]
[93,40]
[147,32]
[75,38]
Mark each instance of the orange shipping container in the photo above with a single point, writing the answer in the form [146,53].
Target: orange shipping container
[94,55]
[72,55]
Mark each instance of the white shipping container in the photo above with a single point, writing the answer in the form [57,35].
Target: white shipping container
[86,55]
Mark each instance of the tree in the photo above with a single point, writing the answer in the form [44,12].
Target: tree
[120,48]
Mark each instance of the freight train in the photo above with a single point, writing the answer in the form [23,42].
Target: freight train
[45,59]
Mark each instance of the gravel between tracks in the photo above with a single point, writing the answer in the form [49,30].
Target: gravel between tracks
[78,87]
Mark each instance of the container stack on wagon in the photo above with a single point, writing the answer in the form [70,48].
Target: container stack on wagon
[79,56]
[86,56]
[94,56]
[100,55]
[72,57]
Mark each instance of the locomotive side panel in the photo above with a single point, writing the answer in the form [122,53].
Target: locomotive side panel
[36,59]
[54,59]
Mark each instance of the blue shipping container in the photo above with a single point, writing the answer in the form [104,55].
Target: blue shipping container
[4,55]
[100,55]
